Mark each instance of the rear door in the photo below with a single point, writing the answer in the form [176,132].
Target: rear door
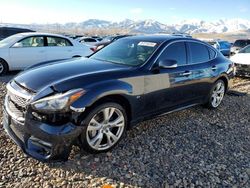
[27,52]
[201,62]
[58,48]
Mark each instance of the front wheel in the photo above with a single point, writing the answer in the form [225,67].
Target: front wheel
[3,67]
[103,128]
[216,94]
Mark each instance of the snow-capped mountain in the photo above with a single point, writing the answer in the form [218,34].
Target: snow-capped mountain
[148,26]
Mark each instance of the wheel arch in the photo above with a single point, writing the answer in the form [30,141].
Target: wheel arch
[116,98]
[8,68]
[225,80]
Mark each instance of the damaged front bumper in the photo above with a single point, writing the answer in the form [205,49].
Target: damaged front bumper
[242,70]
[42,141]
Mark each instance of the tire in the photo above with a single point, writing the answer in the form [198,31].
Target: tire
[3,67]
[216,94]
[101,134]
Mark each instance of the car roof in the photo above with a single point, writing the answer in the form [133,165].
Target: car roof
[27,34]
[160,38]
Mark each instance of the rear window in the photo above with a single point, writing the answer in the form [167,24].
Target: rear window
[241,43]
[198,53]
[58,41]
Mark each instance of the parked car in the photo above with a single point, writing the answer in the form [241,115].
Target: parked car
[25,49]
[92,101]
[88,40]
[106,41]
[242,61]
[182,35]
[222,46]
[8,31]
[239,44]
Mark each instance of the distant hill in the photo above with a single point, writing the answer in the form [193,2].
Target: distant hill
[145,26]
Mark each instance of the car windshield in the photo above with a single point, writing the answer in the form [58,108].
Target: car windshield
[241,43]
[245,50]
[8,40]
[129,52]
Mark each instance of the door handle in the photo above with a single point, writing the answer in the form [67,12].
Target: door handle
[214,68]
[186,73]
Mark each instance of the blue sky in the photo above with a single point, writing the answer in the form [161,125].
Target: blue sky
[165,11]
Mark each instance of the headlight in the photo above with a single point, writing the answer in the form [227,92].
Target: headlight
[58,102]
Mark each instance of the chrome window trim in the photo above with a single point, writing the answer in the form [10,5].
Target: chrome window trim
[157,58]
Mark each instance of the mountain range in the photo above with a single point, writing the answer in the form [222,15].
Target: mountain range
[146,26]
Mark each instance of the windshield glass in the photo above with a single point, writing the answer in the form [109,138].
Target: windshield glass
[245,50]
[129,52]
[8,40]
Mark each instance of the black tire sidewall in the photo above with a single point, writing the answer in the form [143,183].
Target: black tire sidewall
[5,67]
[209,104]
[83,139]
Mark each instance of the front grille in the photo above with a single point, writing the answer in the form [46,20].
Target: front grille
[22,102]
[18,111]
[17,100]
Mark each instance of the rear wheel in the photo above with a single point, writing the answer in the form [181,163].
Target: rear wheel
[217,94]
[3,67]
[103,128]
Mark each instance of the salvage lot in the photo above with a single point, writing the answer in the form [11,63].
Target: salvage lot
[194,147]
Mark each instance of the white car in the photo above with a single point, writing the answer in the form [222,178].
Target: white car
[88,40]
[20,51]
[242,61]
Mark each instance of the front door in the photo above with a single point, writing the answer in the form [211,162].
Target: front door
[170,88]
[27,52]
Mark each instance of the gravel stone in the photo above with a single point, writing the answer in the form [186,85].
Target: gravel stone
[196,147]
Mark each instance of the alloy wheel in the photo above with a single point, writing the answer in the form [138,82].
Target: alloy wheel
[1,68]
[218,94]
[105,128]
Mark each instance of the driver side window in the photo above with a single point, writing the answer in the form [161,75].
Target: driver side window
[30,42]
[177,52]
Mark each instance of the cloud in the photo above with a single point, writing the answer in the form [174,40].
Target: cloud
[243,9]
[172,8]
[136,10]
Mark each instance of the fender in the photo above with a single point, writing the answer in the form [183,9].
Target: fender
[100,90]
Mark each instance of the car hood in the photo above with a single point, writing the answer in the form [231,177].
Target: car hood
[241,58]
[41,77]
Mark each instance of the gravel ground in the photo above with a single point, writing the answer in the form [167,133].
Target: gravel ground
[192,148]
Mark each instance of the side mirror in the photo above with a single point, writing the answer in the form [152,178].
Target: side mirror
[168,64]
[18,45]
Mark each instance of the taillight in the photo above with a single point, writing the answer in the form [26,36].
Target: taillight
[93,49]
